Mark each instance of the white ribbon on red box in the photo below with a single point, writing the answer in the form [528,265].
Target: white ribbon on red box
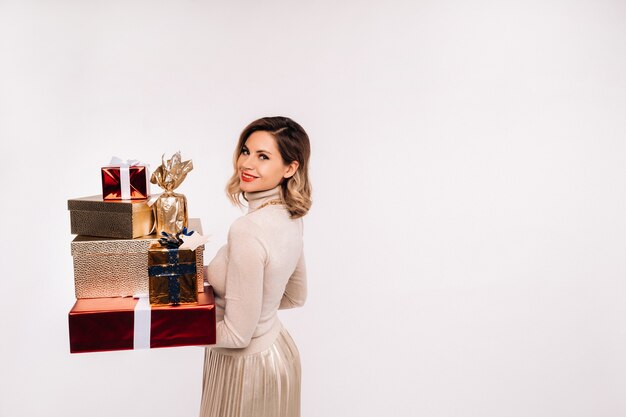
[143,321]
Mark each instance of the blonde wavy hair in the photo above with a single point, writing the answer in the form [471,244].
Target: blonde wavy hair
[293,144]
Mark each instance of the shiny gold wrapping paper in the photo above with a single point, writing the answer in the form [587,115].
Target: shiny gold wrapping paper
[171,213]
[171,208]
[158,255]
[123,219]
[119,267]
[158,285]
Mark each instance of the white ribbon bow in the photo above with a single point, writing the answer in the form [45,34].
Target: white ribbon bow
[115,161]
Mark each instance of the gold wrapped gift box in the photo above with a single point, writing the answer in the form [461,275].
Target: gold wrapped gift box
[119,267]
[123,219]
[172,275]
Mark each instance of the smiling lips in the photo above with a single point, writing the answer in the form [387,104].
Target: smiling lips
[247,177]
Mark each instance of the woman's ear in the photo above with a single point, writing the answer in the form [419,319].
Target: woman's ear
[291,169]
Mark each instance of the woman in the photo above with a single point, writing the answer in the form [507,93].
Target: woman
[254,368]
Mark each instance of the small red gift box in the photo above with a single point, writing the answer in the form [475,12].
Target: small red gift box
[106,324]
[125,182]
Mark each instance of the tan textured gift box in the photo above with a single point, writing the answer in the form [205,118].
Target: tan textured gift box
[119,267]
[124,219]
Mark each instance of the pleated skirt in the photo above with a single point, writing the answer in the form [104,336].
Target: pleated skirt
[264,384]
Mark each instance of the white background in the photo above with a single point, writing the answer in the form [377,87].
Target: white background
[466,247]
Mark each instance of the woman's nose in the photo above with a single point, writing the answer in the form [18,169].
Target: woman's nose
[247,162]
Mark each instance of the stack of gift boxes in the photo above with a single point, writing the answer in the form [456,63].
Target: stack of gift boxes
[138,264]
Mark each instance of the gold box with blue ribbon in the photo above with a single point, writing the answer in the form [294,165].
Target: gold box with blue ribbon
[172,275]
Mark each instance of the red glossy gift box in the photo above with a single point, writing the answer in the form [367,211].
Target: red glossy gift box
[105,324]
[125,183]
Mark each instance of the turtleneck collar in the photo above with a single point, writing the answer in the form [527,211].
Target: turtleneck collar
[260,197]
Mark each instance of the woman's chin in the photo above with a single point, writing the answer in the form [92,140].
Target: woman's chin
[246,187]
[253,188]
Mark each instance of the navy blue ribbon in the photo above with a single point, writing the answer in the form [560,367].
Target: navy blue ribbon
[172,256]
[173,241]
[173,289]
[171,270]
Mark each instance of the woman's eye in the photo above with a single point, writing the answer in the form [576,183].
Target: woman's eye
[245,151]
[263,156]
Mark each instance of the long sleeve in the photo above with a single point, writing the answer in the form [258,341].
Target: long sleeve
[244,285]
[296,290]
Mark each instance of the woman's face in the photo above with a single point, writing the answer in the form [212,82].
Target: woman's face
[260,165]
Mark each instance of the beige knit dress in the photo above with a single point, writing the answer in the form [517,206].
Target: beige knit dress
[254,368]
